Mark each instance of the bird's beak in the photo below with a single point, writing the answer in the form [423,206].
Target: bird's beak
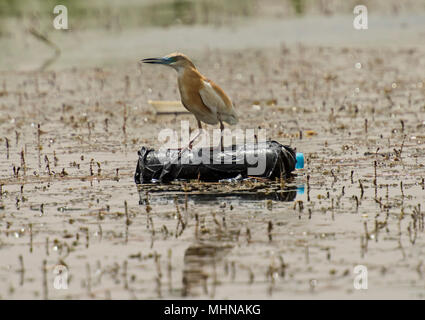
[164,60]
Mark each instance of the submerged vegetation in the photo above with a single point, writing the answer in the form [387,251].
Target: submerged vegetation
[68,143]
[69,138]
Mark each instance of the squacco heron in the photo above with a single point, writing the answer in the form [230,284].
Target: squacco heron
[199,95]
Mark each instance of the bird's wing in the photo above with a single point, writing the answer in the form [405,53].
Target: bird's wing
[210,98]
[217,101]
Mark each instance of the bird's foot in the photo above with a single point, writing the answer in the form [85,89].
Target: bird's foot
[181,150]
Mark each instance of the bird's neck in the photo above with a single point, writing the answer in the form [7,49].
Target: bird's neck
[180,71]
[184,71]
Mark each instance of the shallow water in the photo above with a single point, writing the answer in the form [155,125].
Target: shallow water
[217,240]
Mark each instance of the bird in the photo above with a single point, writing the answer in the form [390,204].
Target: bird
[199,95]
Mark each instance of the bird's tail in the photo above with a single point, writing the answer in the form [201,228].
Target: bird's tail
[231,119]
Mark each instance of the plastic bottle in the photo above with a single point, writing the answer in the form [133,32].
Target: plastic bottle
[300,160]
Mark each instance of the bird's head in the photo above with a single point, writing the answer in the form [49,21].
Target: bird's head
[175,60]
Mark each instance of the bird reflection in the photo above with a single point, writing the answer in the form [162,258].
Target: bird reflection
[200,263]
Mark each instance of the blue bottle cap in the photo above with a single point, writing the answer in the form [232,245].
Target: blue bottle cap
[300,161]
[300,189]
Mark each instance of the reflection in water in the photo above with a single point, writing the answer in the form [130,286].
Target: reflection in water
[289,193]
[200,263]
[203,258]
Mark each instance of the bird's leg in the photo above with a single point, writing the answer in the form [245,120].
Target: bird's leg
[189,147]
[199,133]
[221,135]
[220,144]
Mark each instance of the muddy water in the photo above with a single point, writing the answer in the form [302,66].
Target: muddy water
[73,201]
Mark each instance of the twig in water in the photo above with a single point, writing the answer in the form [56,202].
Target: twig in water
[44,39]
